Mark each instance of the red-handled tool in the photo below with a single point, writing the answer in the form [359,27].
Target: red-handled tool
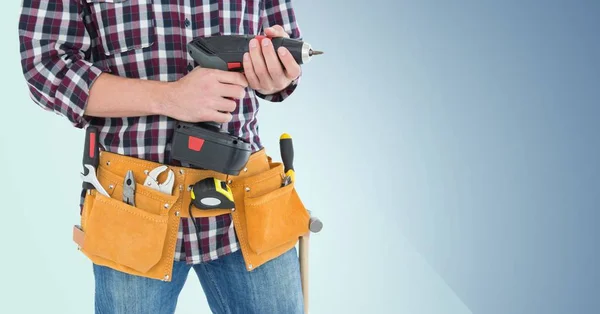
[90,161]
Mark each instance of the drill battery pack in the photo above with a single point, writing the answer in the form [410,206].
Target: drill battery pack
[204,146]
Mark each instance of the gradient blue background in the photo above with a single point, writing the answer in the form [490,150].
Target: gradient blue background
[450,147]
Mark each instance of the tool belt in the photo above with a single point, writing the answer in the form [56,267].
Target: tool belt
[140,240]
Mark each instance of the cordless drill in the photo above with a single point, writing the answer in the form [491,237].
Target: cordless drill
[204,145]
[226,52]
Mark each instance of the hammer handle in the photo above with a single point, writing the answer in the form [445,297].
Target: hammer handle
[304,246]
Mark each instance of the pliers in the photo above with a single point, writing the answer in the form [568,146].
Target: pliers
[129,189]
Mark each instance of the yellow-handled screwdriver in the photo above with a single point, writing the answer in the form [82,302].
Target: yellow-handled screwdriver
[286,149]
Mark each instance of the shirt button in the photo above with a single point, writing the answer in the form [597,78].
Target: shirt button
[190,68]
[187,22]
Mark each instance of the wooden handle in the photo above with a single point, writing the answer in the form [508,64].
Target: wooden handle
[304,245]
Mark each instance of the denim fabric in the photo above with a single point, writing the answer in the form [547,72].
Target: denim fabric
[274,287]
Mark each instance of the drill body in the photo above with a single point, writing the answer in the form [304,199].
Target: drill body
[226,52]
[204,145]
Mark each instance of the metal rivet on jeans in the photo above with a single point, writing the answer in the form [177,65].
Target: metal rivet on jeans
[189,188]
[111,186]
[166,278]
[181,171]
[250,266]
[229,181]
[247,189]
[146,172]
[166,205]
[108,163]
[245,169]
[177,213]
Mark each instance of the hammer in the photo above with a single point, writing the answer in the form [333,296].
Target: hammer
[314,224]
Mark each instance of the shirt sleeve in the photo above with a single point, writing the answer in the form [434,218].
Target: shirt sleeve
[281,12]
[53,44]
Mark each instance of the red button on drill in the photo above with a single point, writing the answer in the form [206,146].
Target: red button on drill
[195,143]
[234,65]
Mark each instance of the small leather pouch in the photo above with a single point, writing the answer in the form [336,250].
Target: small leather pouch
[138,240]
[130,236]
[268,218]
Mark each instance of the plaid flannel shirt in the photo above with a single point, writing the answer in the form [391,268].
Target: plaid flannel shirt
[63,50]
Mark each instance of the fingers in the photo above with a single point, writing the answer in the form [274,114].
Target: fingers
[219,117]
[271,60]
[253,80]
[231,78]
[258,64]
[276,31]
[292,68]
[232,91]
[224,105]
[220,109]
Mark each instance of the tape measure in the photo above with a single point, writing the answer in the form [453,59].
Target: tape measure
[212,193]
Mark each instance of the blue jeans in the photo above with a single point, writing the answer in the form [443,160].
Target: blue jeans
[274,287]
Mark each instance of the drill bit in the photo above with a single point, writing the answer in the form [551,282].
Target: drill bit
[315,52]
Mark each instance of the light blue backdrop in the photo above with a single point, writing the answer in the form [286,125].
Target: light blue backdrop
[450,147]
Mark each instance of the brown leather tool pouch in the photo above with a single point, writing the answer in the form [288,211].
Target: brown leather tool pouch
[268,218]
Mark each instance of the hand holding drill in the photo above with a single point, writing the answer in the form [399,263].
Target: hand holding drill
[269,71]
[205,95]
[230,64]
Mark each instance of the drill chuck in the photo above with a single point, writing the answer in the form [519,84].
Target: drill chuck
[300,50]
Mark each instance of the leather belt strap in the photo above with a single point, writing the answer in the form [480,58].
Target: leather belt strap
[113,168]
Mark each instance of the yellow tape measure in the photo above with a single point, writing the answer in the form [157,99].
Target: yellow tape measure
[212,193]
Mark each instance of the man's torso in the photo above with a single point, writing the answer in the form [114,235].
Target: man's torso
[147,39]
